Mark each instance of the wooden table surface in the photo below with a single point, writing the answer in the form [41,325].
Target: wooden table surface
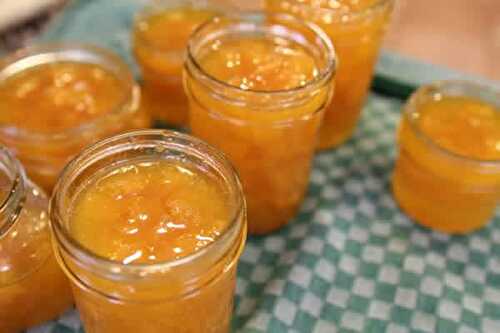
[459,34]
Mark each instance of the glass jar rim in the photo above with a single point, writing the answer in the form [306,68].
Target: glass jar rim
[351,15]
[129,140]
[245,18]
[12,203]
[468,89]
[34,55]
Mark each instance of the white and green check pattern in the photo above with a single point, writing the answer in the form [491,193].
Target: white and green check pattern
[351,261]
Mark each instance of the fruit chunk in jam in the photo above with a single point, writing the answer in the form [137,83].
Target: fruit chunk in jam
[160,40]
[356,28]
[447,176]
[270,141]
[147,213]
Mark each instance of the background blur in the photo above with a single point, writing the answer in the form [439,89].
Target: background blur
[458,34]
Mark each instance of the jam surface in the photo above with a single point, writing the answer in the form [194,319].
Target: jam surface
[464,126]
[273,64]
[149,212]
[54,97]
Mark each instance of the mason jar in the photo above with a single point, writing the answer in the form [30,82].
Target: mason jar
[434,183]
[189,293]
[32,287]
[268,123]
[56,99]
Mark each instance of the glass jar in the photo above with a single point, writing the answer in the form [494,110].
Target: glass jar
[270,135]
[190,294]
[32,287]
[436,186]
[159,37]
[356,28]
[45,151]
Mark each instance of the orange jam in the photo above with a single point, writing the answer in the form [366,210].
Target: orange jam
[160,39]
[270,66]
[55,97]
[155,230]
[263,109]
[55,100]
[149,212]
[33,289]
[356,28]
[447,176]
[447,119]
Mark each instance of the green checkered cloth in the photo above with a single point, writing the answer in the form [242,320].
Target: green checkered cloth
[351,261]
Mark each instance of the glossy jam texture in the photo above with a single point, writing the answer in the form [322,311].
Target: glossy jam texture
[270,66]
[439,191]
[270,144]
[54,100]
[26,264]
[160,40]
[463,126]
[356,28]
[150,212]
[55,97]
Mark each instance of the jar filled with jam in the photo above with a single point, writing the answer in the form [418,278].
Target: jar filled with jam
[258,86]
[33,289]
[56,99]
[149,226]
[356,28]
[160,35]
[447,175]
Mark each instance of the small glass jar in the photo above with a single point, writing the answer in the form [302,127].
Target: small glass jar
[437,187]
[356,28]
[270,135]
[190,294]
[33,289]
[44,154]
[159,37]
